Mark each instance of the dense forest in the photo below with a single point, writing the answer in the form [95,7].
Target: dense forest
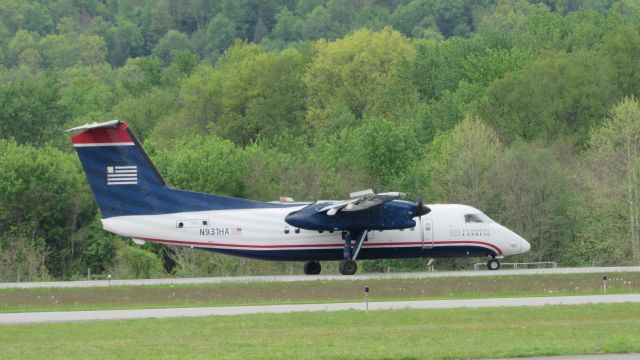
[528,110]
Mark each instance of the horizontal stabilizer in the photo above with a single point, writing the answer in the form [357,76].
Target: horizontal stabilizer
[95,125]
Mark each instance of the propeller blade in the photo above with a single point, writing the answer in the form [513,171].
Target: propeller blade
[421,231]
[422,209]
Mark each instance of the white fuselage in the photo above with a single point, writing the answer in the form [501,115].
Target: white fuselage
[263,233]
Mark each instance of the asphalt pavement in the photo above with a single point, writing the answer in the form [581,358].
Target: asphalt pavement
[294,278]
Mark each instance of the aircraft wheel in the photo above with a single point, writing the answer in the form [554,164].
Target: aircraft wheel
[493,264]
[348,267]
[312,268]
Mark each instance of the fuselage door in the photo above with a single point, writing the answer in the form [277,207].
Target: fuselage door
[427,239]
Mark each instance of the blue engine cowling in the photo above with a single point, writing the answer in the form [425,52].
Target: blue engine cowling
[392,215]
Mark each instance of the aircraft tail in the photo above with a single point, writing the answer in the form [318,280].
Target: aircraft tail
[124,181]
[121,176]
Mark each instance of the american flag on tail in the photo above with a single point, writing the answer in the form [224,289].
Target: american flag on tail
[122,175]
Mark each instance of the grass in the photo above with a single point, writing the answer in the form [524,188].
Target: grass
[129,297]
[398,334]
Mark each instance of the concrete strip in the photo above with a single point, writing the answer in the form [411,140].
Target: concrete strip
[70,316]
[293,278]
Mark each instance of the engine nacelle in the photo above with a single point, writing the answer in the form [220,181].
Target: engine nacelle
[393,215]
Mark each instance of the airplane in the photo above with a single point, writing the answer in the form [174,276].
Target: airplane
[135,202]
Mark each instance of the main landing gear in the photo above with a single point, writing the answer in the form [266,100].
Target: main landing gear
[348,264]
[312,268]
[348,267]
[493,264]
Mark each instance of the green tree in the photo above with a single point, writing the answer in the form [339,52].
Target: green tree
[493,64]
[158,21]
[287,27]
[359,71]
[132,262]
[22,256]
[319,24]
[613,187]
[58,51]
[91,49]
[43,195]
[30,111]
[387,150]
[371,16]
[621,51]
[262,95]
[84,91]
[128,10]
[211,165]
[128,42]
[439,66]
[538,196]
[461,166]
[507,16]
[170,44]
[142,113]
[35,17]
[200,97]
[557,95]
[221,33]
[22,40]
[413,16]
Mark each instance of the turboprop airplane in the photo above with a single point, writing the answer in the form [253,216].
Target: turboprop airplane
[135,202]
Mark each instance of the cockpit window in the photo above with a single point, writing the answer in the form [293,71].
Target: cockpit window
[477,218]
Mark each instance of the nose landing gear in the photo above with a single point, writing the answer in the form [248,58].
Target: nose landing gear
[493,264]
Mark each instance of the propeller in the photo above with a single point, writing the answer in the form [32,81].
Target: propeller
[421,209]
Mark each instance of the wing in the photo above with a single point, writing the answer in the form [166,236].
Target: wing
[361,200]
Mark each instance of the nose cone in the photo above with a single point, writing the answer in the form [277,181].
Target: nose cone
[524,245]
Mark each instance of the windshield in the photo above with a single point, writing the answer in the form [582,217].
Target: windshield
[477,218]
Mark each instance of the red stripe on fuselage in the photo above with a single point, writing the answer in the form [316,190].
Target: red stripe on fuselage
[427,243]
[388,244]
[118,134]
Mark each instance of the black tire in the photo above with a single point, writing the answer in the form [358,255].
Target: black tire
[348,267]
[312,268]
[493,264]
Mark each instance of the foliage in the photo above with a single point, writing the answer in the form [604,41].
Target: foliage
[210,165]
[44,201]
[132,262]
[564,95]
[524,109]
[613,187]
[360,72]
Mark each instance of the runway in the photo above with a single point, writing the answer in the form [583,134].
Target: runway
[72,316]
[294,278]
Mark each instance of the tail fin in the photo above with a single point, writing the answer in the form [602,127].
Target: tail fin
[121,176]
[125,182]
